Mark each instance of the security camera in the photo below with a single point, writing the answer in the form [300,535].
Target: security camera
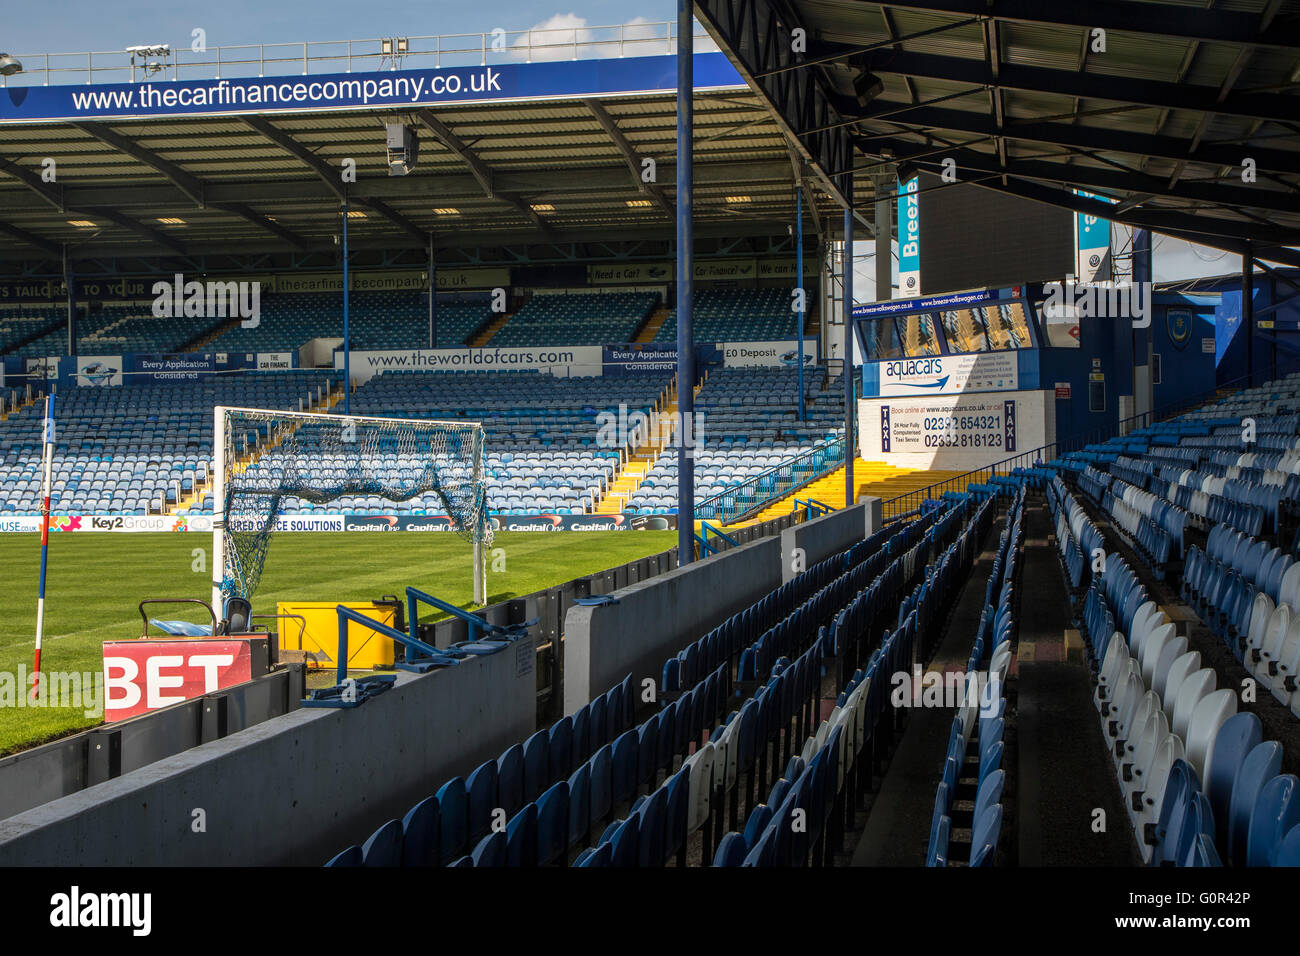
[403,148]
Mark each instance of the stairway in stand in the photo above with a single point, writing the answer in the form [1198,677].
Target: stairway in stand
[643,456]
[653,322]
[872,478]
[484,335]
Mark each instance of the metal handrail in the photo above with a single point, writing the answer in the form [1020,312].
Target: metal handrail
[912,499]
[715,506]
[306,57]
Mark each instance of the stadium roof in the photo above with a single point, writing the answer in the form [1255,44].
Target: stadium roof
[513,179]
[1021,94]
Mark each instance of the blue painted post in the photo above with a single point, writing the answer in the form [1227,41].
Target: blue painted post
[433,297]
[849,411]
[685,285]
[341,673]
[798,268]
[347,347]
[1248,310]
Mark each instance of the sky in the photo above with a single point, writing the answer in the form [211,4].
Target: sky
[67,26]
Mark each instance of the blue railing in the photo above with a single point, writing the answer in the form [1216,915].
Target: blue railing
[706,548]
[760,490]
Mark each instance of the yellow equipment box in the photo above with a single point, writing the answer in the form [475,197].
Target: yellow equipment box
[367,649]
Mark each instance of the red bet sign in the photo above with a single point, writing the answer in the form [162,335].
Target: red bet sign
[140,676]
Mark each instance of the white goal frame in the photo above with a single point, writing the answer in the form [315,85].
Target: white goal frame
[221,440]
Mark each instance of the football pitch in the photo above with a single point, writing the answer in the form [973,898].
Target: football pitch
[95,582]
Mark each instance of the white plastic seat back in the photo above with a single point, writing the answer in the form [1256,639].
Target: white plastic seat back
[1168,654]
[1153,789]
[701,784]
[1151,649]
[1142,715]
[1260,614]
[1182,668]
[1126,704]
[999,665]
[1143,621]
[1289,591]
[1288,664]
[1112,664]
[1207,718]
[1196,687]
[1156,730]
[1278,625]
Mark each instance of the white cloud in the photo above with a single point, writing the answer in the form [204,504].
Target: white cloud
[567,36]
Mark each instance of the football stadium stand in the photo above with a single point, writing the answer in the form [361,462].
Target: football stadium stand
[133,450]
[737,315]
[749,427]
[997,577]
[376,320]
[600,319]
[114,329]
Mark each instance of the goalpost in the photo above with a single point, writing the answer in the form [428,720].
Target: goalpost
[263,457]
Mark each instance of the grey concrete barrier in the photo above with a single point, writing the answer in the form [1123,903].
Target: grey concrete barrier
[50,771]
[293,790]
[654,619]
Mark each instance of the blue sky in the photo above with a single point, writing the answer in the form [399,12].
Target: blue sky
[64,26]
[67,26]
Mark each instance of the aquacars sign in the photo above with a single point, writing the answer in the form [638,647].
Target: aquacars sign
[140,676]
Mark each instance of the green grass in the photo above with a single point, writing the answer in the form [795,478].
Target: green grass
[95,582]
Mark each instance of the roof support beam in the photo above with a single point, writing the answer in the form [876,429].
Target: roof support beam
[54,196]
[136,226]
[1224,195]
[31,238]
[186,182]
[256,218]
[1150,19]
[183,180]
[1092,137]
[479,169]
[629,156]
[332,177]
[1147,93]
[51,194]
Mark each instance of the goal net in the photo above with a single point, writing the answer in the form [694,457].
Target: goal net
[268,464]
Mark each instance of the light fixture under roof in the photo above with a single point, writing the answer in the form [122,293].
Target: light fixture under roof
[171,220]
[356,214]
[738,199]
[447,211]
[543,207]
[639,203]
[81,223]
[9,65]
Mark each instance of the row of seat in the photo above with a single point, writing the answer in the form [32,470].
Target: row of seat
[613,764]
[740,636]
[983,708]
[834,767]
[780,703]
[1172,731]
